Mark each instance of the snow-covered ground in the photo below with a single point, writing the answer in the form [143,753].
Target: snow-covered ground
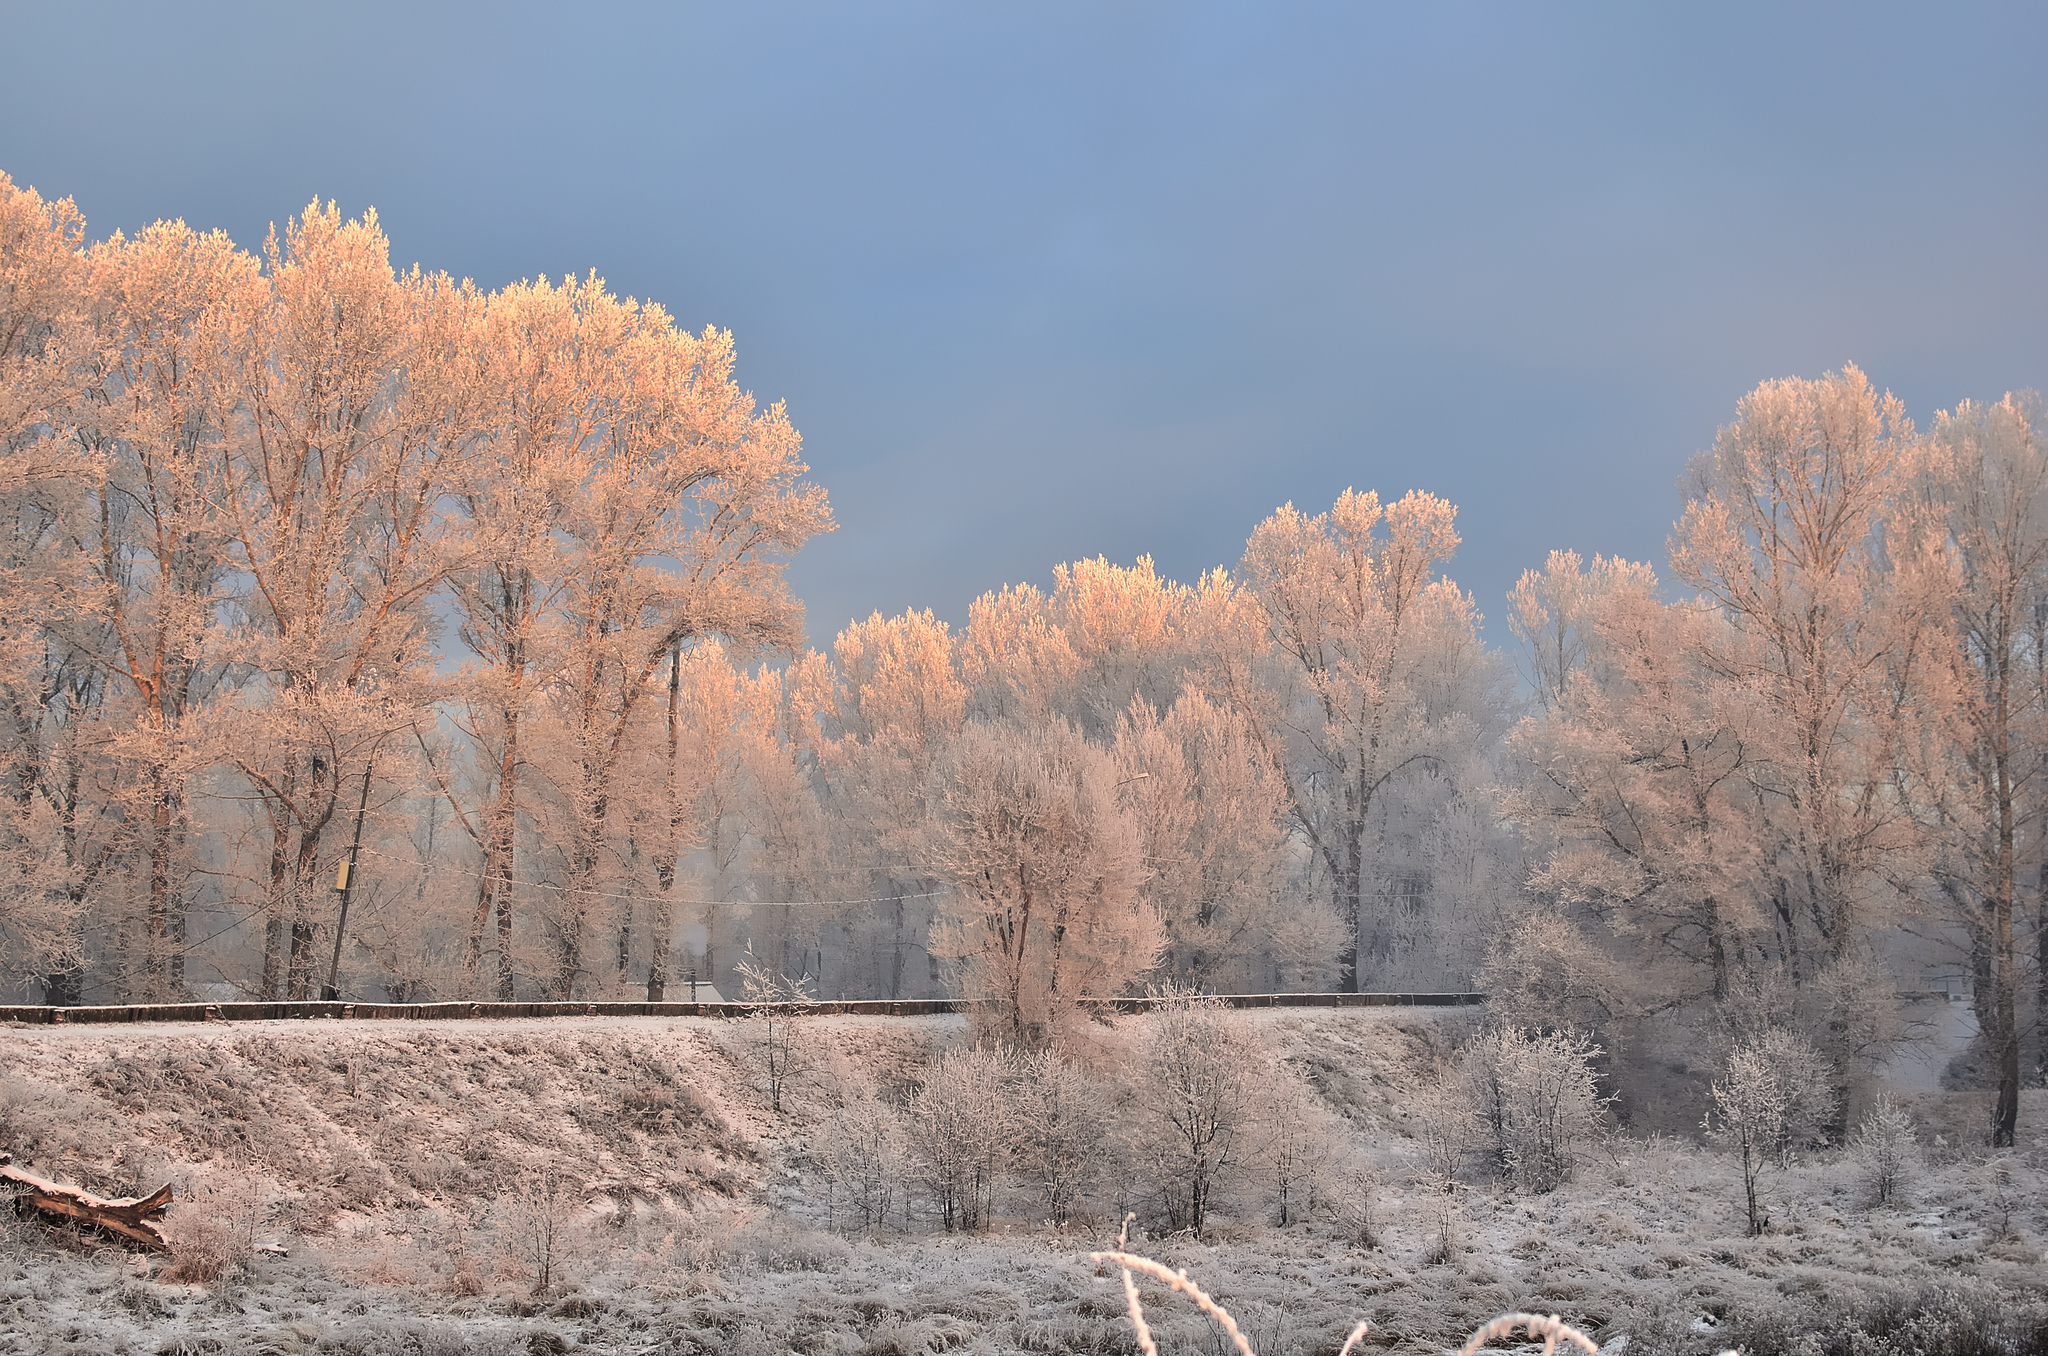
[395,1165]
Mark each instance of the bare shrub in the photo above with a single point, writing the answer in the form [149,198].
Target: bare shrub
[1536,1101]
[1201,1077]
[865,1158]
[1444,1124]
[958,1127]
[540,1218]
[1303,1145]
[1059,1125]
[1887,1146]
[777,1005]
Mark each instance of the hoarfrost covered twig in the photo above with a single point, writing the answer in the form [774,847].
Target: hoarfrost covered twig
[1551,1328]
[1178,1280]
[1144,1330]
[1548,1327]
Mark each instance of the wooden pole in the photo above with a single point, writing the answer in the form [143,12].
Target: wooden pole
[346,884]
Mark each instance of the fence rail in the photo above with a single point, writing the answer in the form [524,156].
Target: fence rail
[883,1007]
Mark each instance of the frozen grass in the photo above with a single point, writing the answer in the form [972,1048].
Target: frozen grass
[702,1229]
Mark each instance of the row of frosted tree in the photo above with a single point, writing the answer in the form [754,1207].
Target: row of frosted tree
[312,564]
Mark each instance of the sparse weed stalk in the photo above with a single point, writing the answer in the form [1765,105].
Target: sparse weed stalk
[1444,1249]
[2001,1192]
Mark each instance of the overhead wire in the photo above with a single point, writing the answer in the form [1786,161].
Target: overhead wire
[634,897]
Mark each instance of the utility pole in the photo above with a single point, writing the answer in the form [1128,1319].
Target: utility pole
[344,882]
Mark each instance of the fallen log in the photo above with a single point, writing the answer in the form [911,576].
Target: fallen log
[133,1218]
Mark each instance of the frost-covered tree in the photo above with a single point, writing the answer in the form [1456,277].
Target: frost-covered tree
[55,837]
[781,1053]
[1380,696]
[1045,867]
[357,391]
[168,314]
[1636,780]
[1797,530]
[635,502]
[1988,478]
[885,715]
[689,505]
[738,821]
[1773,1089]
[1207,801]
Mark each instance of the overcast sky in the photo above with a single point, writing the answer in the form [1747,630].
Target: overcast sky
[1043,281]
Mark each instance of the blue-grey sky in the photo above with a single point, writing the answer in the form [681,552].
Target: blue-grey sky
[1043,281]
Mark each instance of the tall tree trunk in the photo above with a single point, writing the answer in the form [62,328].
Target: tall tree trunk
[494,891]
[164,928]
[1351,900]
[276,923]
[305,930]
[2004,1030]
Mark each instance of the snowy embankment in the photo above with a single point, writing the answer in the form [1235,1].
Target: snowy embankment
[621,1184]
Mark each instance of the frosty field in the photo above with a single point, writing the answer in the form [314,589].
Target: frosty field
[421,1179]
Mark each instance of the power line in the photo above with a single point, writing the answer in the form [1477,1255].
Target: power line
[637,898]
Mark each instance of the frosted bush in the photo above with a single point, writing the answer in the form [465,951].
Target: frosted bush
[1202,1072]
[1535,1099]
[1887,1147]
[865,1159]
[959,1131]
[1059,1127]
